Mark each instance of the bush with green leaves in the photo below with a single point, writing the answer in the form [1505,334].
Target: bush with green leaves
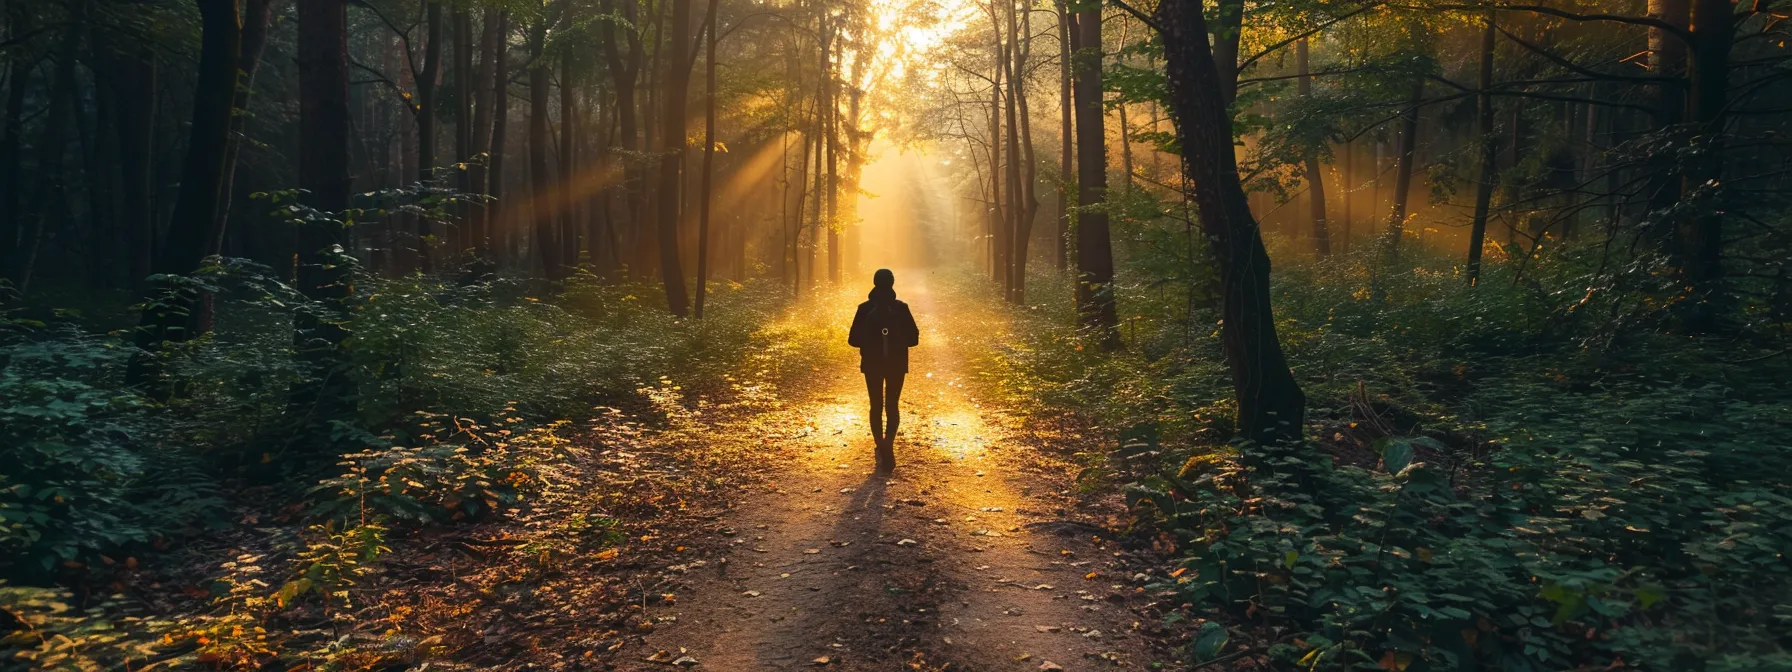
[90,466]
[1538,473]
[87,465]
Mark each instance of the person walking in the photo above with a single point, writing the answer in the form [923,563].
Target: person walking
[883,330]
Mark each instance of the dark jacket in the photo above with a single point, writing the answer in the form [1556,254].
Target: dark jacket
[883,331]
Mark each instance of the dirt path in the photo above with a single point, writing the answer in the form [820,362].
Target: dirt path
[956,562]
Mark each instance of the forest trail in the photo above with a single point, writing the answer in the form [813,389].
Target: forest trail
[962,560]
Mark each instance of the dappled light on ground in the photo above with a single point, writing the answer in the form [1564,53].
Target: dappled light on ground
[955,561]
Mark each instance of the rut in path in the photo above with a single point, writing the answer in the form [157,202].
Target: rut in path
[956,562]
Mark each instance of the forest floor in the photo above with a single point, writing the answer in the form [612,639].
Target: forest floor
[758,538]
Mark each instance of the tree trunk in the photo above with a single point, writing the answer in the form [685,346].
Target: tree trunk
[1409,141]
[1477,234]
[463,126]
[478,224]
[569,162]
[202,178]
[257,15]
[1066,183]
[12,219]
[998,211]
[677,90]
[1094,251]
[1322,236]
[1227,36]
[134,78]
[496,224]
[323,275]
[426,123]
[623,74]
[831,136]
[1029,168]
[1667,58]
[1125,123]
[1011,172]
[709,157]
[1701,235]
[1270,403]
[541,181]
[50,193]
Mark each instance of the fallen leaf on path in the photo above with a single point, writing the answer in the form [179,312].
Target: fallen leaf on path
[1046,628]
[811,551]
[907,542]
[991,509]
[1043,586]
[660,656]
[822,660]
[1049,665]
[685,661]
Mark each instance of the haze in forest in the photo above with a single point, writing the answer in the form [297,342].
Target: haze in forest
[1246,335]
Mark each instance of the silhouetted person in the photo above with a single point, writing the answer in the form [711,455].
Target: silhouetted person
[883,331]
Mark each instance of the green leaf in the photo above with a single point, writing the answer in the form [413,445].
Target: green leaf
[1395,454]
[1210,641]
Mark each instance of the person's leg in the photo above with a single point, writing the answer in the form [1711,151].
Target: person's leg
[892,400]
[874,385]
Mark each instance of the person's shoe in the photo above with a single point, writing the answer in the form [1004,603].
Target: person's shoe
[886,456]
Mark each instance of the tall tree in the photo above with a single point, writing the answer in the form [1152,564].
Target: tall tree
[1490,153]
[624,73]
[134,81]
[479,222]
[1066,183]
[542,200]
[12,148]
[566,204]
[495,231]
[1095,298]
[427,81]
[463,124]
[51,195]
[709,158]
[1271,406]
[1403,168]
[1322,238]
[323,275]
[258,16]
[202,179]
[677,91]
[1700,247]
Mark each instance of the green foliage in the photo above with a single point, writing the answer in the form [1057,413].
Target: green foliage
[452,384]
[86,470]
[1532,474]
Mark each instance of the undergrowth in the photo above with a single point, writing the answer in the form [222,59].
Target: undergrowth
[1538,473]
[465,397]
